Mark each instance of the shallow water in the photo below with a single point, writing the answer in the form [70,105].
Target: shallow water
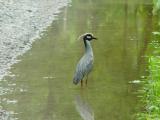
[41,85]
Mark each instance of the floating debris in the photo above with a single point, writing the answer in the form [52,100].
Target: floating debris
[49,77]
[135,81]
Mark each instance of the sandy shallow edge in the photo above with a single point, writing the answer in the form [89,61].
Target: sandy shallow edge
[21,23]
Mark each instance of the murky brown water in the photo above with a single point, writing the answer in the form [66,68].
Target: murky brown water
[42,88]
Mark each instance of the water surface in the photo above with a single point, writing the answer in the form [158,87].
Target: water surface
[42,87]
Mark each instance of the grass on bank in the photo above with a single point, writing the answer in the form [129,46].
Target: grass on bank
[151,91]
[151,88]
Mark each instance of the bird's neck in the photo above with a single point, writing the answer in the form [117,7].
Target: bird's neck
[88,47]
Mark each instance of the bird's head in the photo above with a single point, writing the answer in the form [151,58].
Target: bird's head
[87,36]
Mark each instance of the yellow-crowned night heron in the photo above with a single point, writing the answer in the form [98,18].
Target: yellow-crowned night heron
[85,64]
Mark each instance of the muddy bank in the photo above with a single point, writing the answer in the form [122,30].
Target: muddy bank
[21,22]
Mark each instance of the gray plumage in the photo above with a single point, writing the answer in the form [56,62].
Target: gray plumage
[85,64]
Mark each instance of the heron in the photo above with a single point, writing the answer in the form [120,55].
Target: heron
[85,64]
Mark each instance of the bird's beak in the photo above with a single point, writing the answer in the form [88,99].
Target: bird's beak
[94,38]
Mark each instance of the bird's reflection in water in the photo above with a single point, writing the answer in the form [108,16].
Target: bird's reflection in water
[83,108]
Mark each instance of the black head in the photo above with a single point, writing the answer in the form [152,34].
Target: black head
[88,36]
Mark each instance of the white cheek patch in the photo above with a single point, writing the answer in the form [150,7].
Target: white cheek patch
[88,37]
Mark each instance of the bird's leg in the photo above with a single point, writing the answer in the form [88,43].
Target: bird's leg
[81,83]
[86,79]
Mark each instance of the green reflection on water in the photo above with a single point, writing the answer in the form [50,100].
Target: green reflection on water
[44,89]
